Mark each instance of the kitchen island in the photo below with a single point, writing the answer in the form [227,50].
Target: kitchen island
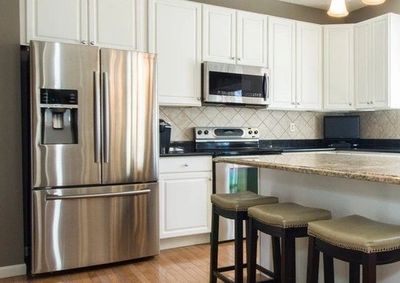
[344,182]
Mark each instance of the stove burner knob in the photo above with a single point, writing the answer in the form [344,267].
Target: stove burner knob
[206,132]
[250,132]
[199,132]
[256,132]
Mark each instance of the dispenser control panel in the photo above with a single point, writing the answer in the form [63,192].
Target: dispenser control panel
[59,96]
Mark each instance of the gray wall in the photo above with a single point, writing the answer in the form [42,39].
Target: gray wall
[277,8]
[390,6]
[11,228]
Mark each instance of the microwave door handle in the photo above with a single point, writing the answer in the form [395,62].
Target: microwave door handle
[266,86]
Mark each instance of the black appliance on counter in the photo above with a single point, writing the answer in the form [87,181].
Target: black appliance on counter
[342,131]
[165,136]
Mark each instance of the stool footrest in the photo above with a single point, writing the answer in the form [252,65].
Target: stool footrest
[222,277]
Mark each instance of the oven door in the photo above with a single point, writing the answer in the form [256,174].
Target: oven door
[234,84]
[233,178]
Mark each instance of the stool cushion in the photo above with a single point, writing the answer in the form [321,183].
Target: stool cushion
[287,215]
[240,201]
[357,233]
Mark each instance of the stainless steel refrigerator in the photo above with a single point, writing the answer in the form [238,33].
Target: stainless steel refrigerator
[94,156]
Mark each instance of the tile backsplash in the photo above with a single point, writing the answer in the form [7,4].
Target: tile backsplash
[380,124]
[272,124]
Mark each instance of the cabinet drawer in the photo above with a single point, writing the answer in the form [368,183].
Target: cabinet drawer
[185,164]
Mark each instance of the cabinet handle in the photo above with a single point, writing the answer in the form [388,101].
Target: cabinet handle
[84,42]
[92,43]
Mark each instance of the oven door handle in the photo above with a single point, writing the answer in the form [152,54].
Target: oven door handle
[81,196]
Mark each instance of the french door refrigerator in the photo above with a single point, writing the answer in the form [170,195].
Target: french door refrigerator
[94,156]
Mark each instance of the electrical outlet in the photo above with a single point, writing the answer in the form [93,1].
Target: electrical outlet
[292,127]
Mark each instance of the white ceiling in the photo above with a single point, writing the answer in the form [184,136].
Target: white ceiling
[324,4]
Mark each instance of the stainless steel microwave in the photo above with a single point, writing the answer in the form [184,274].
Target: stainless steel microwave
[235,84]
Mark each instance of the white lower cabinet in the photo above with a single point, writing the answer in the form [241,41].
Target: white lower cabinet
[185,205]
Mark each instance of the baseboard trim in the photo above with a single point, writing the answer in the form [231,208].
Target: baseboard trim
[184,241]
[12,270]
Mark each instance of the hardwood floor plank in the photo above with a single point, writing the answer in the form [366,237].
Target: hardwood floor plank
[186,265]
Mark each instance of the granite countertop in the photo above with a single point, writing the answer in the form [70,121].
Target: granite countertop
[366,166]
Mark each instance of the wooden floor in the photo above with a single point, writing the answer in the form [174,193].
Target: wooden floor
[189,264]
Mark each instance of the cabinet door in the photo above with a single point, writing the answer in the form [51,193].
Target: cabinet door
[252,36]
[380,63]
[281,58]
[57,20]
[219,34]
[113,23]
[175,36]
[185,205]
[309,66]
[339,67]
[363,62]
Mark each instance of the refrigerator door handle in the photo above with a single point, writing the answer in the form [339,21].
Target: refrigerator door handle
[106,121]
[97,118]
[81,196]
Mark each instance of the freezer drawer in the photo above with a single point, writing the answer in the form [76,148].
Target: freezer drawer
[94,225]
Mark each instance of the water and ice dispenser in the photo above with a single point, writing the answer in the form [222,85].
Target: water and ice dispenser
[59,112]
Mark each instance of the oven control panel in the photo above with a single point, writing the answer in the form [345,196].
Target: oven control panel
[226,133]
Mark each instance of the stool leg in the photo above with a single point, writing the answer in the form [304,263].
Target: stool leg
[252,251]
[288,260]
[369,268]
[354,274]
[329,274]
[214,246]
[276,255]
[313,261]
[238,250]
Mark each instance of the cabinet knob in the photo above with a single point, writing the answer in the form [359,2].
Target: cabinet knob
[198,98]
[84,42]
[350,104]
[92,43]
[233,58]
[238,59]
[186,165]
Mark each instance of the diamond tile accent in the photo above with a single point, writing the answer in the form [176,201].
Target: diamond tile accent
[272,124]
[380,124]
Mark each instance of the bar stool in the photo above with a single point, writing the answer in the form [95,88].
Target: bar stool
[356,240]
[284,222]
[232,206]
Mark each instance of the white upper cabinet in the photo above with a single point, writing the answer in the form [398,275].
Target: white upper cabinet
[234,37]
[113,23]
[309,66]
[377,63]
[339,67]
[57,20]
[175,36]
[252,38]
[219,34]
[106,23]
[281,58]
[362,57]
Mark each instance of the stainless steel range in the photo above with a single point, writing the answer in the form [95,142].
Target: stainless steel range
[94,150]
[232,178]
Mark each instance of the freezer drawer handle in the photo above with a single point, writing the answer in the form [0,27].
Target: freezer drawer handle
[119,194]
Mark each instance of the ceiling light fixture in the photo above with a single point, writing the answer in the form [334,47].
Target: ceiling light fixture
[373,2]
[338,8]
